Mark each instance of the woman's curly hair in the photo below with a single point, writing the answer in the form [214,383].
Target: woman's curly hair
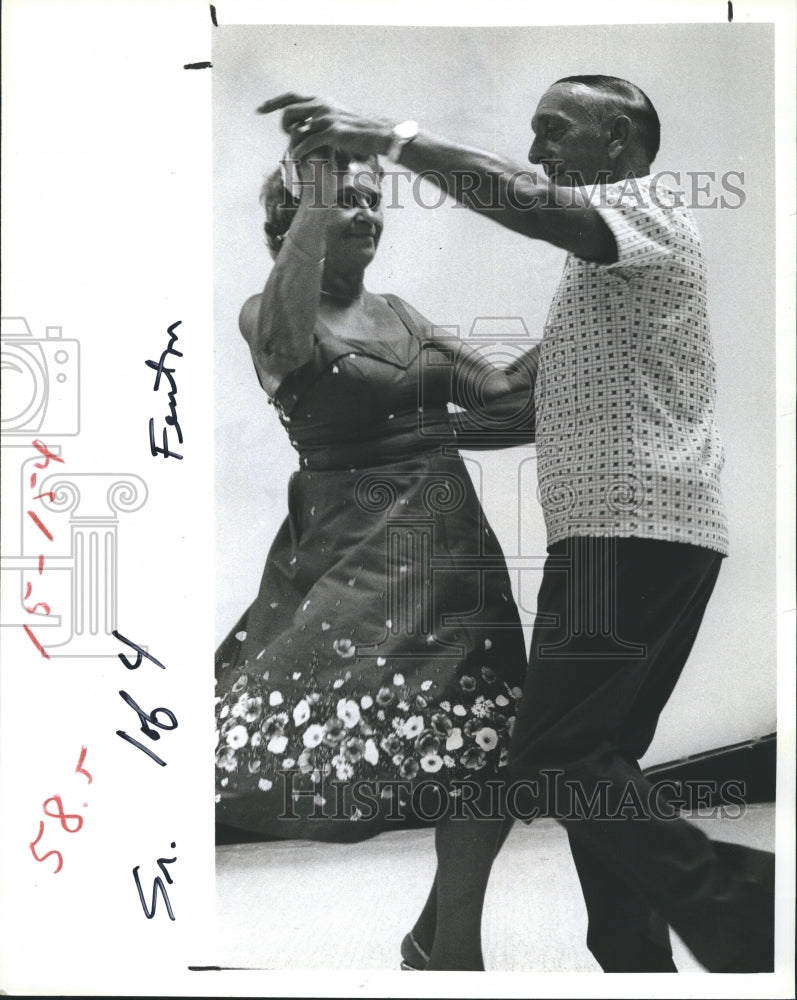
[281,206]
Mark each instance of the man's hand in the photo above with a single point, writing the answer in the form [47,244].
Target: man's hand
[312,122]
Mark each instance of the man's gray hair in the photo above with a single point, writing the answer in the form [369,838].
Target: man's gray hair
[627,99]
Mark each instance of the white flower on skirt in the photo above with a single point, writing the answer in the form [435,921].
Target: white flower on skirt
[501,700]
[343,769]
[366,701]
[349,712]
[426,685]
[412,726]
[344,648]
[313,735]
[275,698]
[398,680]
[454,741]
[249,708]
[264,784]
[371,753]
[237,737]
[277,744]
[301,712]
[459,710]
[432,762]
[487,738]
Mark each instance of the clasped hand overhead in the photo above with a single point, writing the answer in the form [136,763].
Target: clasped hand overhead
[313,123]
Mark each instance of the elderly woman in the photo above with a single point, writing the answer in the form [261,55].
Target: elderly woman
[374,678]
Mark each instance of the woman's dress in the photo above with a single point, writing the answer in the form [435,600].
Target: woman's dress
[384,649]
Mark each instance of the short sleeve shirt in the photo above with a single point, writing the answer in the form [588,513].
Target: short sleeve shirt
[627,443]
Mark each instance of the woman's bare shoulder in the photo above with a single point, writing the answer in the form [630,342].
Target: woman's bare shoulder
[424,327]
[247,318]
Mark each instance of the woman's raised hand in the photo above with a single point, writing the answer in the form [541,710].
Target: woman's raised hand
[317,181]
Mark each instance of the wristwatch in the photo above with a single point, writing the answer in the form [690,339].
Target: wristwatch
[403,133]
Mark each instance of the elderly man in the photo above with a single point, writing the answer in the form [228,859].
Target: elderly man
[628,462]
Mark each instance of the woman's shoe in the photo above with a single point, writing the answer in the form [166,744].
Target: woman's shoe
[413,957]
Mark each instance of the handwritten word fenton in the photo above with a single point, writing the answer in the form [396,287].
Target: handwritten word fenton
[171,419]
[157,887]
[147,719]
[48,457]
[57,811]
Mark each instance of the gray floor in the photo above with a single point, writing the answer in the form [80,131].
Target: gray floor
[300,905]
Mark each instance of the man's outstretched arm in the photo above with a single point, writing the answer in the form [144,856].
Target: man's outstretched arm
[491,185]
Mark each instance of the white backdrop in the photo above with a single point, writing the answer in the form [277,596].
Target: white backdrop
[712,87]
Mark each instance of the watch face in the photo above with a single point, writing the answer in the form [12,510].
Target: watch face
[406,130]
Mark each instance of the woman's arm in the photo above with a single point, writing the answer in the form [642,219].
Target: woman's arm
[279,323]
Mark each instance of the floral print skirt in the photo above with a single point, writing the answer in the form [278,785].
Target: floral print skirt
[381,660]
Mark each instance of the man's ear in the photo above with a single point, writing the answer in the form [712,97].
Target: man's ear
[620,133]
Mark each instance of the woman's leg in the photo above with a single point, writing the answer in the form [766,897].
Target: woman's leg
[466,848]
[417,945]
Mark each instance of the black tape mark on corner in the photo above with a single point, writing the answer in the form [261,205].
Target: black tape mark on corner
[213,16]
[730,11]
[218,968]
[199,65]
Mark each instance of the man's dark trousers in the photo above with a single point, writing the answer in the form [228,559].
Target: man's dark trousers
[616,620]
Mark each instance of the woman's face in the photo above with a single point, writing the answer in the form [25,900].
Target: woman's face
[355,224]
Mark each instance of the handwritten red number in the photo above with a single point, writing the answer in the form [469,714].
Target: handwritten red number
[44,857]
[42,447]
[80,769]
[36,643]
[37,521]
[61,815]
[40,604]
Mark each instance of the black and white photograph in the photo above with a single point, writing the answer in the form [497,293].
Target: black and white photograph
[398,501]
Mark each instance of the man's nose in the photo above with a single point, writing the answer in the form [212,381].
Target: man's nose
[536,152]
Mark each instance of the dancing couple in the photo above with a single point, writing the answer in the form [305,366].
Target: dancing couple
[382,666]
